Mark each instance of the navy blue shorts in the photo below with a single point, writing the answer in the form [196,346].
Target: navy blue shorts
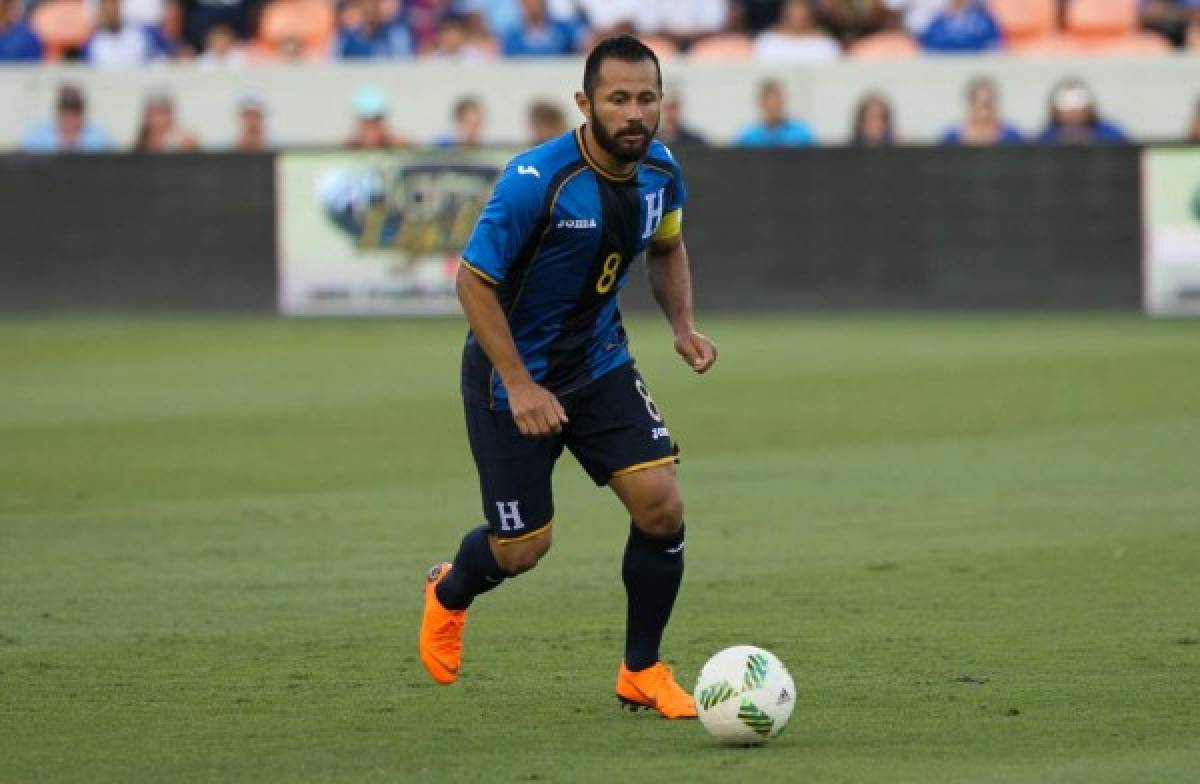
[614,428]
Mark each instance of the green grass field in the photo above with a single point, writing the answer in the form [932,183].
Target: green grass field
[975,542]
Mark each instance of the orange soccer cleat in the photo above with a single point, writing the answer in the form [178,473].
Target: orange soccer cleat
[440,642]
[654,687]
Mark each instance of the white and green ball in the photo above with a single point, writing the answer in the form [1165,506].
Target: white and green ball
[744,696]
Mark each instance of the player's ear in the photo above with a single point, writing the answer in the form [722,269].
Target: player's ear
[581,100]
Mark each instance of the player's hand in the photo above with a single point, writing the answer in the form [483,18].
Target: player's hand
[697,351]
[536,410]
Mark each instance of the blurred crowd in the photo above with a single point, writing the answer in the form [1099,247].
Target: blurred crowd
[234,33]
[1073,116]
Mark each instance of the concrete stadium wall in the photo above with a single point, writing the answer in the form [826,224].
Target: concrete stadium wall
[310,104]
[1024,228]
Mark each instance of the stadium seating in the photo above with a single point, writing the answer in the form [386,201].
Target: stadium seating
[1144,43]
[1025,20]
[662,46]
[1102,18]
[885,46]
[349,14]
[310,21]
[62,25]
[1050,45]
[727,46]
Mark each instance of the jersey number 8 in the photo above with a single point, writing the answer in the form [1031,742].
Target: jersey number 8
[608,273]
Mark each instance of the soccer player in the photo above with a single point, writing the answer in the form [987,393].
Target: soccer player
[547,363]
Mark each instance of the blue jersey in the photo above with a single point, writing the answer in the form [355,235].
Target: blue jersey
[557,239]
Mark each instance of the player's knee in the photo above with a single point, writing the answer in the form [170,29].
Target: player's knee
[518,557]
[663,515]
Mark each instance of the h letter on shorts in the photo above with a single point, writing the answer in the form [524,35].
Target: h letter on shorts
[510,517]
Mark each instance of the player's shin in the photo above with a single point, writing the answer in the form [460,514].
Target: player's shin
[652,571]
[475,571]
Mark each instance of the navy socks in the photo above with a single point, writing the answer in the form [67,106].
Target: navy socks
[651,571]
[475,571]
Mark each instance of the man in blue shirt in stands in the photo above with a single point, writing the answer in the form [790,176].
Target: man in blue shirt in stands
[539,34]
[18,42]
[376,37]
[69,130]
[776,128]
[964,26]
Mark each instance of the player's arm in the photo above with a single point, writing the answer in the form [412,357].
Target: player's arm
[535,409]
[671,282]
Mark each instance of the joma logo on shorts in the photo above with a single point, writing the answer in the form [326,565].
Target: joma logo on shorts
[659,432]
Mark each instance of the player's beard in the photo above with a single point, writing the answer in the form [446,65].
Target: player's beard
[611,143]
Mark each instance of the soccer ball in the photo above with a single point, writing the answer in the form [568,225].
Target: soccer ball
[744,696]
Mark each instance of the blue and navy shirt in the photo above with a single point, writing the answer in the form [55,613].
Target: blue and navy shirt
[557,239]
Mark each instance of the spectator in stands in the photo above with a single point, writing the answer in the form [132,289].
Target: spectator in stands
[375,37]
[170,23]
[120,44]
[911,16]
[873,126]
[18,42]
[1075,119]
[1168,17]
[149,13]
[1193,132]
[1192,36]
[69,131]
[608,17]
[797,38]
[538,34]
[753,16]
[455,41]
[546,121]
[468,125]
[291,49]
[671,130]
[776,129]
[850,20]
[964,26]
[159,131]
[222,50]
[423,18]
[371,131]
[251,124]
[500,16]
[200,15]
[479,34]
[983,124]
[683,22]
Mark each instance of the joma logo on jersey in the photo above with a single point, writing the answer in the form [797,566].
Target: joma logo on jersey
[577,223]
[654,213]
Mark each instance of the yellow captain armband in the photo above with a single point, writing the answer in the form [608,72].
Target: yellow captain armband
[670,227]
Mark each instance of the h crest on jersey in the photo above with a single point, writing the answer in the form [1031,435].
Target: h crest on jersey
[654,212]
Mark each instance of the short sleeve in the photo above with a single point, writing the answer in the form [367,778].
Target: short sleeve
[679,192]
[679,189]
[507,222]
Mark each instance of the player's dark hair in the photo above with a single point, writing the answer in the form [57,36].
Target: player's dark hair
[622,47]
